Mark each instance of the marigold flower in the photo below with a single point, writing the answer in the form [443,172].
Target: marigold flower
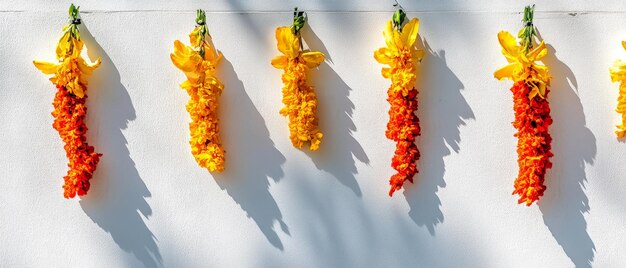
[199,62]
[403,127]
[298,97]
[618,73]
[70,77]
[531,106]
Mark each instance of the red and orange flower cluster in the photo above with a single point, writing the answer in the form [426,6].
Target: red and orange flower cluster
[532,119]
[532,109]
[403,127]
[69,76]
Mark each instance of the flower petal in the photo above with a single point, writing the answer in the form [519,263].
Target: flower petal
[386,72]
[87,68]
[280,62]
[382,55]
[194,37]
[313,59]
[63,45]
[409,32]
[618,71]
[288,43]
[46,67]
[538,52]
[508,43]
[184,57]
[506,71]
[389,35]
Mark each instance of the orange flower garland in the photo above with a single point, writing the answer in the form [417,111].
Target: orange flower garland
[199,62]
[403,127]
[618,73]
[532,109]
[298,97]
[69,76]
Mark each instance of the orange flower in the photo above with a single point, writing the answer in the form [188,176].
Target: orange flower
[403,127]
[532,109]
[199,62]
[532,120]
[69,76]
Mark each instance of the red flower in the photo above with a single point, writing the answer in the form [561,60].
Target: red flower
[69,114]
[532,119]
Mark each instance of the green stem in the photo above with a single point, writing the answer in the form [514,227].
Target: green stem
[299,19]
[527,33]
[74,14]
[204,30]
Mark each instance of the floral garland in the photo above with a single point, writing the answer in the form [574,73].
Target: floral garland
[532,109]
[403,126]
[618,73]
[70,77]
[199,62]
[298,97]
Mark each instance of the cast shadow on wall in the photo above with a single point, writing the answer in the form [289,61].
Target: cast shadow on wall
[574,145]
[117,198]
[338,148]
[442,111]
[251,157]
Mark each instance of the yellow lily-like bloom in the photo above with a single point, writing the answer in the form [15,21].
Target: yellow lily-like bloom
[72,70]
[298,97]
[400,54]
[199,62]
[618,74]
[522,65]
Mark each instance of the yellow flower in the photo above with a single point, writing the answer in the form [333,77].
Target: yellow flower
[72,70]
[522,65]
[199,62]
[298,97]
[399,43]
[618,74]
[401,55]
[289,45]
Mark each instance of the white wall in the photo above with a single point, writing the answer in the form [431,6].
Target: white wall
[150,204]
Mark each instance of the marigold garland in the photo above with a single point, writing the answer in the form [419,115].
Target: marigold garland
[298,97]
[618,73]
[70,77]
[199,62]
[403,126]
[532,109]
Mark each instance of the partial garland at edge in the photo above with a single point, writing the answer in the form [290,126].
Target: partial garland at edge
[618,74]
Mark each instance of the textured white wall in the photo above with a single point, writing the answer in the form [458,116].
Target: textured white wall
[150,204]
